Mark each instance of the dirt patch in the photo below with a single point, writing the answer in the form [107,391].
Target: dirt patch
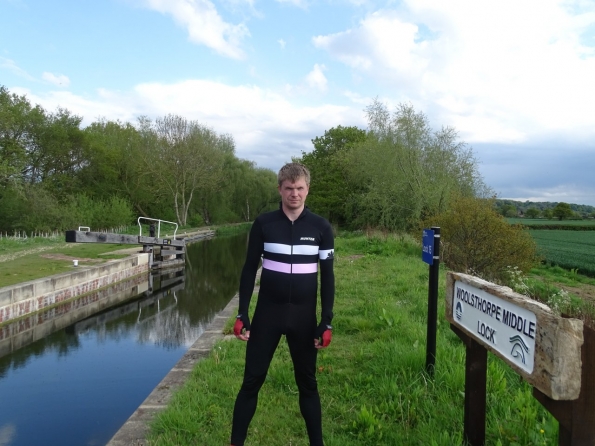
[25,252]
[70,258]
[353,257]
[585,291]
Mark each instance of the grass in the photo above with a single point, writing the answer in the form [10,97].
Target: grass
[233,229]
[567,249]
[565,291]
[373,386]
[21,260]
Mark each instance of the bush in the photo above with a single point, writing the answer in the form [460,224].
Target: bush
[477,240]
[115,212]
[38,210]
[82,210]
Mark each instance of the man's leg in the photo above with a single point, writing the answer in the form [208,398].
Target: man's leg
[303,355]
[264,339]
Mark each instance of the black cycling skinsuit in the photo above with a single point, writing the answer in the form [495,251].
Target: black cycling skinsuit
[291,253]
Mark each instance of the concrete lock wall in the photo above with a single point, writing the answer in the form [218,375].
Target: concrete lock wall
[29,297]
[25,330]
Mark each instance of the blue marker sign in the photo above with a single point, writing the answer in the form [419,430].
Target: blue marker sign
[427,253]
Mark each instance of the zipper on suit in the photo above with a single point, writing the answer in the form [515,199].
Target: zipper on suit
[291,265]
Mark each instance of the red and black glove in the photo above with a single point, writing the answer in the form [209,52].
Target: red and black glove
[242,323]
[324,334]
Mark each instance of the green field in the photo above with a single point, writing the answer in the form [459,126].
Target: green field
[590,223]
[567,249]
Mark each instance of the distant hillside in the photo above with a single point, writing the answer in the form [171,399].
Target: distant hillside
[507,207]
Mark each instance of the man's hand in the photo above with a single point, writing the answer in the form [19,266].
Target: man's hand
[242,327]
[324,335]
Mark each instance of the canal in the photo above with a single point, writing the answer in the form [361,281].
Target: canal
[78,385]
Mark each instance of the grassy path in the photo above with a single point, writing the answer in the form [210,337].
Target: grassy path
[372,381]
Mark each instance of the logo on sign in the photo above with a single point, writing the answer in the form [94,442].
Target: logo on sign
[519,348]
[459,311]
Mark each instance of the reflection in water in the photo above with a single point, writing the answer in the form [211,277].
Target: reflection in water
[79,384]
[26,330]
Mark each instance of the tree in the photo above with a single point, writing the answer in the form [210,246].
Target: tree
[20,127]
[117,168]
[532,212]
[562,211]
[330,190]
[405,170]
[509,210]
[184,159]
[60,154]
[251,190]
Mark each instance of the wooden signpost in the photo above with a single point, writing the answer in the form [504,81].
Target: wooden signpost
[545,349]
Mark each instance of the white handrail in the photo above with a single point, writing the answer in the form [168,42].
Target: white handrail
[158,225]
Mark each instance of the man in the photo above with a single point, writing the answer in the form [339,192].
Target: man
[292,242]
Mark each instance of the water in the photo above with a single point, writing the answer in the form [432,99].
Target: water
[78,385]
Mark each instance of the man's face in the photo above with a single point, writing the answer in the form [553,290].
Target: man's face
[293,195]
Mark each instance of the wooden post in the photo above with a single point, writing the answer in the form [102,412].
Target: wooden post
[576,418]
[476,367]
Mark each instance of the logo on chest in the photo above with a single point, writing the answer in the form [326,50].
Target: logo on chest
[310,239]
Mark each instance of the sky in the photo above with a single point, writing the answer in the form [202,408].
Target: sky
[515,78]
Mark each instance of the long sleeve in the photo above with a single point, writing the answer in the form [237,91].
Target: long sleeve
[248,276]
[327,276]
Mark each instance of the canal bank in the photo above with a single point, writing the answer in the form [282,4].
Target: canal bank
[28,298]
[31,297]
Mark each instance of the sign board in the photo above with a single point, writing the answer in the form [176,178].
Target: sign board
[508,328]
[427,250]
[540,345]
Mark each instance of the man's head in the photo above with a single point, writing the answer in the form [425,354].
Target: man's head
[293,172]
[294,184]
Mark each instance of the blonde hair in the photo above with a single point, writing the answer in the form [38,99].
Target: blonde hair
[293,172]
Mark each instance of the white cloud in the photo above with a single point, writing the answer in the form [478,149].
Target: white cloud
[266,126]
[357,98]
[7,433]
[12,66]
[56,79]
[282,43]
[204,24]
[496,70]
[568,193]
[316,78]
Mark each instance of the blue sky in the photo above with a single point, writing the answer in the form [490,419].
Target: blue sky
[515,78]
